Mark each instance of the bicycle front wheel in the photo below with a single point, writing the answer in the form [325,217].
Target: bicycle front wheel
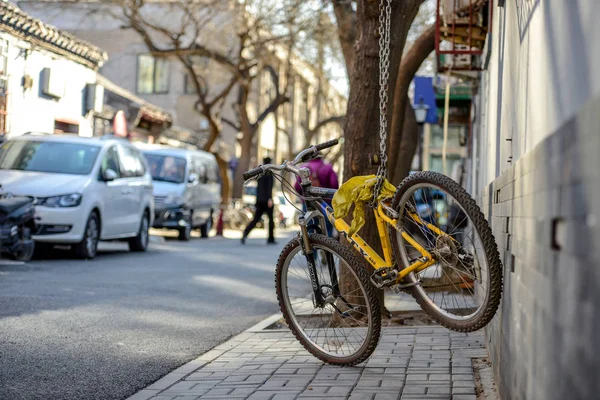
[344,329]
[462,289]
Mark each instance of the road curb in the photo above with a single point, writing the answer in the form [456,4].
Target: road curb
[265,323]
[188,368]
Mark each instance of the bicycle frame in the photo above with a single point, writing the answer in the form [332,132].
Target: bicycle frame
[320,207]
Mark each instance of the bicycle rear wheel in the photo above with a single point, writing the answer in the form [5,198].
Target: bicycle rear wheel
[345,330]
[462,289]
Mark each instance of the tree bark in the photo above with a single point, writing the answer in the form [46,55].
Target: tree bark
[244,162]
[347,31]
[408,145]
[361,126]
[409,66]
[362,122]
[225,185]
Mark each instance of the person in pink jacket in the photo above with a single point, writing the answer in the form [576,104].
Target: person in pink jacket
[321,175]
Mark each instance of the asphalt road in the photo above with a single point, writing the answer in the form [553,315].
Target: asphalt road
[106,328]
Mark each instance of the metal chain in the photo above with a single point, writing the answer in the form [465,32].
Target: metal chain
[385,13]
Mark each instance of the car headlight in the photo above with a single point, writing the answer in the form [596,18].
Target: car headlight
[67,200]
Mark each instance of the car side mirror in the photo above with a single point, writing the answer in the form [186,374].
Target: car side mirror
[193,178]
[109,175]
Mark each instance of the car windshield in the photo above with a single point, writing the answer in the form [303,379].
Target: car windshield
[48,156]
[166,168]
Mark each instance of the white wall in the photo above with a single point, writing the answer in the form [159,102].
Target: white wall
[29,109]
[542,70]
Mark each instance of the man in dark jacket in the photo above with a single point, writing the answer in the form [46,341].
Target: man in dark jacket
[264,204]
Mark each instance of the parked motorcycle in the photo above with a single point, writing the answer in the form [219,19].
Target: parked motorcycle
[16,226]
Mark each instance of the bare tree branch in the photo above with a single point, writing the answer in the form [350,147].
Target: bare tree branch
[231,124]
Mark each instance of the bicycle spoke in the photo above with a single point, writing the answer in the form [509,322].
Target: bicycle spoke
[335,327]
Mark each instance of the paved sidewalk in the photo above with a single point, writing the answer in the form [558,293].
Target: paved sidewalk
[409,363]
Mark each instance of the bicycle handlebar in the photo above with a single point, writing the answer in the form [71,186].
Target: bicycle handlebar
[304,155]
[327,144]
[252,173]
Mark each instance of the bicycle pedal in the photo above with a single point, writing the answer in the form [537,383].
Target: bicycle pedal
[379,280]
[400,287]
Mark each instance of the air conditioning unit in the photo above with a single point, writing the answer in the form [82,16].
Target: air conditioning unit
[53,82]
[94,99]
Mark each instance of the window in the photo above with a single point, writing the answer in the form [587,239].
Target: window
[166,168]
[437,165]
[111,161]
[456,136]
[131,164]
[199,168]
[153,74]
[50,156]
[65,127]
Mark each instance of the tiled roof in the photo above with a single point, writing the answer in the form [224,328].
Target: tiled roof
[17,22]
[148,111]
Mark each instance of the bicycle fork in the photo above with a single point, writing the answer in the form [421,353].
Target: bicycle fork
[309,253]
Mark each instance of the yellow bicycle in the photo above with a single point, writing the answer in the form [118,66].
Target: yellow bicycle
[436,245]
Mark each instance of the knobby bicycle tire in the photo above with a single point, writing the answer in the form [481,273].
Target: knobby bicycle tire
[360,272]
[487,238]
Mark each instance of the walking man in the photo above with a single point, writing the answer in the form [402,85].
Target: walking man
[264,204]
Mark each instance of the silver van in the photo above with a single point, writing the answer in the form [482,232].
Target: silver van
[187,188]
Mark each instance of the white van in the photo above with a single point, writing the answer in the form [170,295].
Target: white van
[187,188]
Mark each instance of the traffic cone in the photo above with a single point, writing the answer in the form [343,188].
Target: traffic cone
[220,224]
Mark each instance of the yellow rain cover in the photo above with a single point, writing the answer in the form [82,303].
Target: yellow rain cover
[358,191]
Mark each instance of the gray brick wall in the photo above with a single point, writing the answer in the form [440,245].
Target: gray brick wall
[545,214]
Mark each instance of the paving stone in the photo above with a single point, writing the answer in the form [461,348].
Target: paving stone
[273,395]
[464,397]
[462,377]
[245,379]
[228,393]
[414,389]
[461,370]
[294,383]
[438,390]
[273,366]
[439,377]
[326,391]
[463,390]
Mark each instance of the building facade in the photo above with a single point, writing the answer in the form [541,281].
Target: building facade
[45,76]
[536,172]
[164,81]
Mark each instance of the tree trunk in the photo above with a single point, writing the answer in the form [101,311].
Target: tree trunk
[346,20]
[408,145]
[362,122]
[225,184]
[244,163]
[409,66]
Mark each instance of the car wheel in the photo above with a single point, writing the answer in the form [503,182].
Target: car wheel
[88,247]
[140,241]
